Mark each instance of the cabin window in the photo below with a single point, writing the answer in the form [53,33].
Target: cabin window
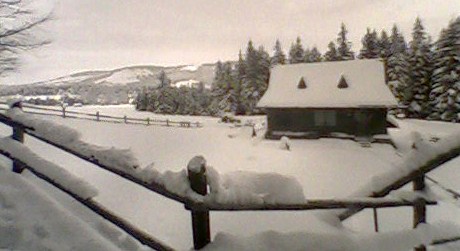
[342,83]
[325,118]
[302,84]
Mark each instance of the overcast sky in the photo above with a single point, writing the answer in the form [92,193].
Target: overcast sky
[105,34]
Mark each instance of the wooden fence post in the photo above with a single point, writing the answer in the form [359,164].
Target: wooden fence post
[148,121]
[167,122]
[376,220]
[97,116]
[18,135]
[200,219]
[125,118]
[63,111]
[419,206]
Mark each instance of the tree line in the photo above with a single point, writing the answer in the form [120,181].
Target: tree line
[423,75]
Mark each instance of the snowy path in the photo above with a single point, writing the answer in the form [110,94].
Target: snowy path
[325,168]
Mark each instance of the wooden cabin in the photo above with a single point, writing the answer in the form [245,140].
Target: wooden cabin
[328,98]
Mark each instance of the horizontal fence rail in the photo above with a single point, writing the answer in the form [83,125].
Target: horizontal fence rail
[200,208]
[97,116]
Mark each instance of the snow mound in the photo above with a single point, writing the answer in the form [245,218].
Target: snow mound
[341,241]
[121,159]
[191,68]
[244,187]
[31,219]
[55,172]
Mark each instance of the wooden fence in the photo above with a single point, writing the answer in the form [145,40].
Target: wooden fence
[97,116]
[198,182]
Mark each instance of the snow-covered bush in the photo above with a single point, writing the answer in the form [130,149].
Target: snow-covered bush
[285,143]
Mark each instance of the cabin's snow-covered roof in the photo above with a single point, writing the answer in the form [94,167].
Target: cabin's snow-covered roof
[365,79]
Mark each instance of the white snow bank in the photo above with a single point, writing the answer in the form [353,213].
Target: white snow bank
[398,240]
[32,220]
[191,68]
[121,159]
[421,152]
[243,187]
[53,171]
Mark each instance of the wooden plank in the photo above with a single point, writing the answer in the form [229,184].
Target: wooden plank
[308,205]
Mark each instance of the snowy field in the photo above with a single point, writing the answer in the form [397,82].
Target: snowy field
[325,168]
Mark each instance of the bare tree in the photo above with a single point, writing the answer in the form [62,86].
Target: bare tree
[18,32]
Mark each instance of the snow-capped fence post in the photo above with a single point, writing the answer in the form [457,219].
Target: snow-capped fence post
[196,169]
[419,206]
[97,116]
[125,119]
[63,111]
[18,135]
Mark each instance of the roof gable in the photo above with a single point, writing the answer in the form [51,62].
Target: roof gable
[355,83]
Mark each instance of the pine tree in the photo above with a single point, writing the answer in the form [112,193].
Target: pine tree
[223,88]
[445,94]
[420,69]
[397,41]
[370,45]
[240,75]
[398,72]
[296,52]
[163,79]
[313,56]
[331,53]
[398,69]
[257,68]
[344,51]
[278,55]
[384,45]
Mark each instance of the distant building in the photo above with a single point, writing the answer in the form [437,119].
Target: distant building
[319,99]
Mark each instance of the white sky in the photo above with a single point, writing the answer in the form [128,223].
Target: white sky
[106,34]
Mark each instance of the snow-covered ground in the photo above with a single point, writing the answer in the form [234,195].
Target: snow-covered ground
[325,168]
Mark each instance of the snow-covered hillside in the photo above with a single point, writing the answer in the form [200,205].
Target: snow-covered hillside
[325,168]
[113,86]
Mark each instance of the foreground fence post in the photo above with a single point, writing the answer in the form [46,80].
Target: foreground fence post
[148,121]
[419,206]
[63,111]
[200,219]
[376,220]
[125,118]
[97,116]
[167,122]
[18,135]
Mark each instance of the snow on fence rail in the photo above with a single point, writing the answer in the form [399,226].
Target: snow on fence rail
[190,186]
[38,110]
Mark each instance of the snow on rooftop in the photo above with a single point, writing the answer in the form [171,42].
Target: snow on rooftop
[365,79]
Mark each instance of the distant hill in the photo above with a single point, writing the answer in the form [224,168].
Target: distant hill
[108,87]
